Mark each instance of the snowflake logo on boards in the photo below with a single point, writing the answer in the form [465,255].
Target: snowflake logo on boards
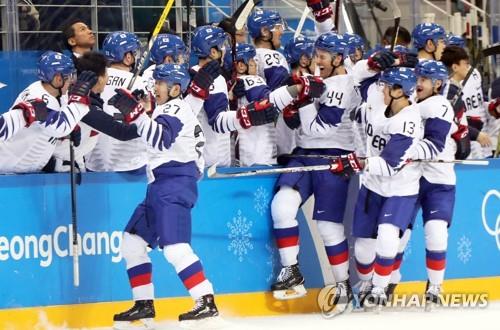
[240,237]
[272,262]
[464,247]
[261,200]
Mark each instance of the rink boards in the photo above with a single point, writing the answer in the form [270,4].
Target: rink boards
[231,234]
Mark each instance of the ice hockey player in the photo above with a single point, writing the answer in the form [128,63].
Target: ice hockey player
[430,41]
[167,48]
[121,49]
[457,61]
[326,129]
[30,149]
[355,50]
[266,28]
[299,55]
[20,116]
[385,203]
[175,142]
[209,44]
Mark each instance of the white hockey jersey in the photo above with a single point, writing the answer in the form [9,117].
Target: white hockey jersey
[217,122]
[147,78]
[173,135]
[11,123]
[31,149]
[325,123]
[110,154]
[437,143]
[257,145]
[390,143]
[472,95]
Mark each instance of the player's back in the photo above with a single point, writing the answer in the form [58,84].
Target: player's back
[272,67]
[437,122]
[404,128]
[110,154]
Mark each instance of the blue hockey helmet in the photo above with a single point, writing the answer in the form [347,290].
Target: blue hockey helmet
[332,42]
[402,77]
[119,43]
[52,63]
[297,47]
[354,42]
[263,18]
[244,52]
[427,31]
[206,37]
[172,74]
[455,40]
[167,45]
[434,70]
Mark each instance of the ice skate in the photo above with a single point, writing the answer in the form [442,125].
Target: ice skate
[432,296]
[203,315]
[342,301]
[389,291]
[140,316]
[364,290]
[375,300]
[290,284]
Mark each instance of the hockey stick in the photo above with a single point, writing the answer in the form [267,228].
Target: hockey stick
[397,19]
[156,31]
[337,14]
[492,50]
[213,174]
[453,161]
[458,94]
[76,268]
[301,22]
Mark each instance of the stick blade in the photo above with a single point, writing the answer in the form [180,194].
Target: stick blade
[492,50]
[243,16]
[212,171]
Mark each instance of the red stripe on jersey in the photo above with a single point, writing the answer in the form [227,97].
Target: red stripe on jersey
[435,264]
[383,270]
[364,270]
[339,258]
[139,280]
[194,280]
[287,242]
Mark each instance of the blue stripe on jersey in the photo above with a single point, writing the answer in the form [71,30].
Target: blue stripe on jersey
[257,93]
[4,129]
[436,131]
[53,116]
[365,85]
[395,149]
[215,104]
[171,126]
[276,76]
[329,115]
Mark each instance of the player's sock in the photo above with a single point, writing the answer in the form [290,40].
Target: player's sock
[284,207]
[139,268]
[364,252]
[436,242]
[336,248]
[386,249]
[189,269]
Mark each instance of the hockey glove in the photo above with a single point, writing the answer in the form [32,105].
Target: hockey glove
[408,60]
[127,104]
[346,165]
[203,79]
[321,9]
[494,108]
[312,87]
[379,61]
[291,115]
[33,110]
[462,138]
[257,114]
[80,90]
[239,89]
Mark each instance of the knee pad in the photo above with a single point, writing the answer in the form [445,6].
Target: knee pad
[364,250]
[284,207]
[403,242]
[387,240]
[332,233]
[175,253]
[436,235]
[134,250]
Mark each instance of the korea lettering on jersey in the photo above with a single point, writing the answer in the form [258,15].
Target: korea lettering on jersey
[390,143]
[110,154]
[174,137]
[217,122]
[437,124]
[325,123]
[31,148]
[257,145]
[472,95]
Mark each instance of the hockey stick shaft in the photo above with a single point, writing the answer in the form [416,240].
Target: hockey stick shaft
[213,174]
[452,161]
[301,22]
[76,265]
[397,19]
[156,31]
[337,14]
[458,95]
